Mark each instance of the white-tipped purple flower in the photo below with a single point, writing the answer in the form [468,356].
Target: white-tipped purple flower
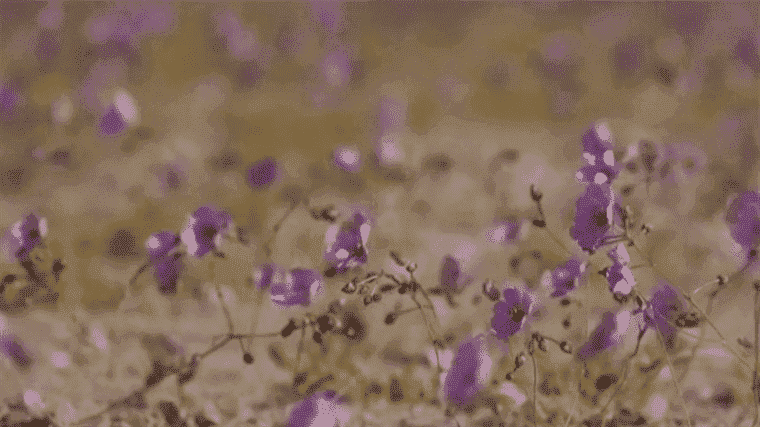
[619,275]
[348,159]
[595,212]
[347,243]
[322,409]
[608,333]
[205,230]
[166,269]
[506,231]
[23,237]
[600,165]
[663,312]
[469,371]
[298,286]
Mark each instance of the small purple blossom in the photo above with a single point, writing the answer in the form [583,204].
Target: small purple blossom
[299,286]
[664,308]
[205,229]
[347,243]
[619,275]
[469,371]
[743,219]
[348,159]
[319,410]
[167,269]
[263,173]
[112,123]
[595,212]
[564,279]
[24,236]
[512,313]
[506,231]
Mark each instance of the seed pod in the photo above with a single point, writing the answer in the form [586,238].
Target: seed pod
[248,358]
[535,194]
[317,337]
[367,300]
[376,298]
[390,318]
[289,328]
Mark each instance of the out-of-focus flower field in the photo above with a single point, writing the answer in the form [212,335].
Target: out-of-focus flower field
[119,120]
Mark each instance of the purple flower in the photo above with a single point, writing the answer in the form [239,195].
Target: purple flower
[597,141]
[205,229]
[506,231]
[597,173]
[159,244]
[469,371]
[347,243]
[664,308]
[297,287]
[9,100]
[449,272]
[336,68]
[23,236]
[604,336]
[565,278]
[619,275]
[512,312]
[263,173]
[167,269]
[12,348]
[595,212]
[263,276]
[743,219]
[319,410]
[112,123]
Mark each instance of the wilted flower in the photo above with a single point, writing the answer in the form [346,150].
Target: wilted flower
[319,410]
[205,229]
[743,219]
[512,312]
[595,212]
[263,173]
[23,236]
[564,279]
[295,287]
[469,371]
[347,243]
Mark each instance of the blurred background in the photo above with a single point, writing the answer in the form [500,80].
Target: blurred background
[118,120]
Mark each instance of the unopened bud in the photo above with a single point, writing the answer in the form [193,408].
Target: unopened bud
[248,358]
[535,194]
[390,318]
[289,328]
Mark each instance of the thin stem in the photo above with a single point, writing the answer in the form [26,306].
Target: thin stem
[755,390]
[535,385]
[672,375]
[225,309]
[140,271]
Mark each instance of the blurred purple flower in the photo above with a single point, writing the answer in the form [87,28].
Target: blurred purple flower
[743,219]
[297,287]
[506,231]
[112,123]
[449,272]
[595,212]
[10,98]
[48,46]
[319,410]
[205,229]
[564,279]
[746,50]
[336,68]
[604,336]
[619,275]
[12,348]
[160,244]
[263,276]
[167,269]
[469,371]
[263,173]
[348,159]
[328,14]
[392,114]
[628,58]
[664,308]
[23,237]
[689,158]
[130,23]
[512,313]
[347,243]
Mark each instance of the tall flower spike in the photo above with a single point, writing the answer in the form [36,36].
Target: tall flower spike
[512,313]
[743,220]
[564,279]
[23,236]
[469,371]
[595,212]
[296,287]
[167,269]
[347,243]
[319,410]
[205,229]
